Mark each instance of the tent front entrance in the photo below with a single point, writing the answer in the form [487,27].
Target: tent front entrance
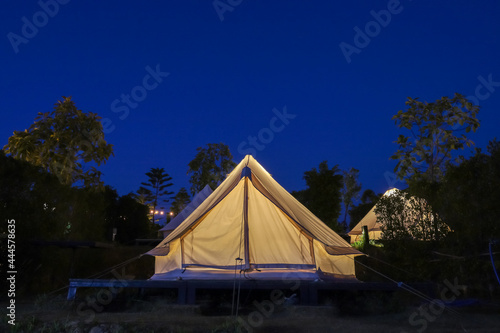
[250,223]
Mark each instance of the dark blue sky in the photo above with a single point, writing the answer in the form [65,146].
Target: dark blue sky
[225,77]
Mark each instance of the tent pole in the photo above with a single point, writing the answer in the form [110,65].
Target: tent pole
[245,223]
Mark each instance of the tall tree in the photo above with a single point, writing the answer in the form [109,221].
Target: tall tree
[350,190]
[181,200]
[64,142]
[156,189]
[437,130]
[322,195]
[210,166]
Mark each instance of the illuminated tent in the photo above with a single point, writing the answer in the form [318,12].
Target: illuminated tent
[416,210]
[370,220]
[251,224]
[176,221]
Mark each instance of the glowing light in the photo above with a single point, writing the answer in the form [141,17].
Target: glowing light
[392,191]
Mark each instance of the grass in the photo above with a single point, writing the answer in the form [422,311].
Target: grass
[376,312]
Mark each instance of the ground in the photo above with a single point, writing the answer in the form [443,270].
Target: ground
[155,314]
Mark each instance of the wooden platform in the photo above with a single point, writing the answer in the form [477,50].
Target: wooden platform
[307,290]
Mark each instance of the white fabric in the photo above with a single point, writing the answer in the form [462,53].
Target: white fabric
[252,216]
[197,200]
[273,238]
[229,274]
[216,240]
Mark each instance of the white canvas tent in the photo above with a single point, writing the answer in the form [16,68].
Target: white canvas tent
[251,224]
[416,218]
[369,220]
[176,221]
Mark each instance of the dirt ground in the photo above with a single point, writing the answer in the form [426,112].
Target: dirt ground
[157,315]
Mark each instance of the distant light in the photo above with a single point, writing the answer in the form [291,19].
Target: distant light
[171,213]
[392,191]
[151,212]
[156,212]
[161,212]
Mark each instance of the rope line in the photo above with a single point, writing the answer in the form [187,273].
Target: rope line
[100,274]
[409,289]
[493,262]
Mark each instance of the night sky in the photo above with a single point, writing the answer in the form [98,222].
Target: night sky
[295,82]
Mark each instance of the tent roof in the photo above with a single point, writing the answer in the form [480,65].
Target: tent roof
[262,181]
[370,219]
[197,200]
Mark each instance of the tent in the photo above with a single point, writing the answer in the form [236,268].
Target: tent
[370,220]
[176,221]
[416,210]
[251,225]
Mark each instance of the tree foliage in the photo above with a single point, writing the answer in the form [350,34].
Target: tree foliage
[181,200]
[45,209]
[404,217]
[155,190]
[130,219]
[437,130]
[350,190]
[210,166]
[64,142]
[322,195]
[469,199]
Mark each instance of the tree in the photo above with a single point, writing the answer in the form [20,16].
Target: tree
[131,220]
[468,201]
[404,217]
[435,129]
[210,166]
[156,189]
[181,200]
[45,209]
[322,195]
[350,190]
[64,142]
